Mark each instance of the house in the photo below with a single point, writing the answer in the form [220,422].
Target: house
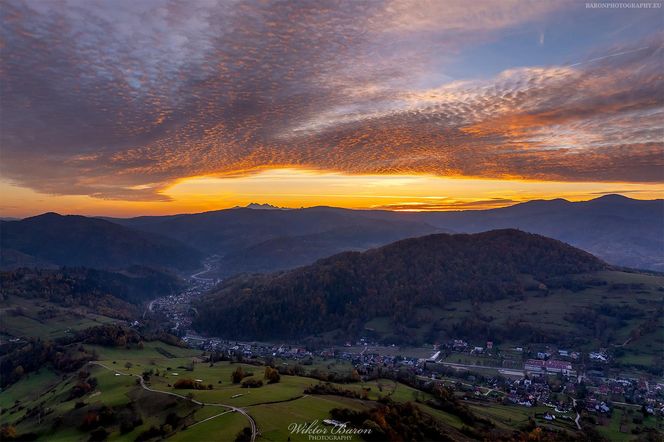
[597,356]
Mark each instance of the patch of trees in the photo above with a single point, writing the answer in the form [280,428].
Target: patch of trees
[108,335]
[252,383]
[103,416]
[84,385]
[292,370]
[190,384]
[238,374]
[331,389]
[244,435]
[171,424]
[272,375]
[346,290]
[444,399]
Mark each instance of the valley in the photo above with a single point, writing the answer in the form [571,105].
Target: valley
[442,337]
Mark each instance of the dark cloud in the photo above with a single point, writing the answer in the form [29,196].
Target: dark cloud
[119,99]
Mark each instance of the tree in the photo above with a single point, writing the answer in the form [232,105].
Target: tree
[237,375]
[272,375]
[244,435]
[8,432]
[18,371]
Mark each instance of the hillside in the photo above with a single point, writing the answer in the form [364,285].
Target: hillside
[347,290]
[41,303]
[54,240]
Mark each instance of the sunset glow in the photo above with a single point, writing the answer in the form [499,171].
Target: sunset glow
[134,107]
[295,188]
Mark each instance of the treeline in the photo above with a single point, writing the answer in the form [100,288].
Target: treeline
[344,291]
[107,335]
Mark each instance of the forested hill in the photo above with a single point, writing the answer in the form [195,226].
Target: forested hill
[346,290]
[52,240]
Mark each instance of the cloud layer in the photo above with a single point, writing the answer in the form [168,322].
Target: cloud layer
[120,99]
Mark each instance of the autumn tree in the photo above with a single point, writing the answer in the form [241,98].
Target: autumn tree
[237,375]
[272,375]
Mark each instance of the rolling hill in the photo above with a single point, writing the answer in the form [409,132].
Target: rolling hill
[346,291]
[52,240]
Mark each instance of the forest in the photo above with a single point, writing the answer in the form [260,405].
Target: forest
[344,291]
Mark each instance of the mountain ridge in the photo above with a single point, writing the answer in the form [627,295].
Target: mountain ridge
[52,239]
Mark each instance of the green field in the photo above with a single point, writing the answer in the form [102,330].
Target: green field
[273,406]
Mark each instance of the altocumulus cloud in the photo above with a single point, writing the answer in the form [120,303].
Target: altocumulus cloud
[117,99]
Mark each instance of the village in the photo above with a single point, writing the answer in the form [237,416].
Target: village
[565,380]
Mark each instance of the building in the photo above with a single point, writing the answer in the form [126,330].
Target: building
[551,366]
[555,366]
[534,365]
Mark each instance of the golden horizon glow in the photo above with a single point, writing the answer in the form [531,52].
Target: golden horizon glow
[295,188]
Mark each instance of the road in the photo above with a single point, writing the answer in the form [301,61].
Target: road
[149,309]
[578,416]
[252,422]
[207,267]
[484,367]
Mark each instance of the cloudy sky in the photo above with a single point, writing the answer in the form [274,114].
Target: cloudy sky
[160,106]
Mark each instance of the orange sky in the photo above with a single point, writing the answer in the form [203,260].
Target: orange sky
[303,188]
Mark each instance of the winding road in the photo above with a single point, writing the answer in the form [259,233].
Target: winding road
[206,268]
[252,422]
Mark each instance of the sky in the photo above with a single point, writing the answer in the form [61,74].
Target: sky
[158,106]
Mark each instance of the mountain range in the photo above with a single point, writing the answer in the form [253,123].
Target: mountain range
[263,238]
[620,230]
